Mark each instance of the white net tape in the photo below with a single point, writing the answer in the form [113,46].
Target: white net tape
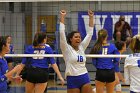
[57,0]
[60,55]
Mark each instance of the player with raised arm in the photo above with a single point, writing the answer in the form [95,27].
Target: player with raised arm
[73,50]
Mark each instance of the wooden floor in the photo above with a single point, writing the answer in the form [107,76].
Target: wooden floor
[52,88]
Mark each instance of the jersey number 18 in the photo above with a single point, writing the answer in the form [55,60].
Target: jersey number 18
[80,58]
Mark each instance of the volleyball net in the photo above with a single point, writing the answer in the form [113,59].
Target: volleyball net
[60,55]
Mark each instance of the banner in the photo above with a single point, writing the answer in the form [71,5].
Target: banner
[107,20]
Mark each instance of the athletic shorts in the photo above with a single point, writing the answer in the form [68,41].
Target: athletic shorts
[105,75]
[77,81]
[37,75]
[133,92]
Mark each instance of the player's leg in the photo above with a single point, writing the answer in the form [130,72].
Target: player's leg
[29,87]
[99,86]
[110,87]
[40,87]
[87,88]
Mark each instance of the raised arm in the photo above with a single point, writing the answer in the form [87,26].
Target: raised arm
[63,41]
[88,37]
[90,13]
[62,16]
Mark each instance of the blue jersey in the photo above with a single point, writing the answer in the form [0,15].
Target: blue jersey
[41,62]
[3,70]
[107,63]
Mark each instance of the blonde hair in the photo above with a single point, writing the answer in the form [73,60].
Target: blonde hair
[102,34]
[135,44]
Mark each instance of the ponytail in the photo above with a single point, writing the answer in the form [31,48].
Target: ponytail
[39,38]
[102,34]
[35,42]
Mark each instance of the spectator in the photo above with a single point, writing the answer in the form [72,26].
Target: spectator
[122,31]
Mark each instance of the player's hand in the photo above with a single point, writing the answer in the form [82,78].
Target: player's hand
[17,79]
[18,68]
[90,13]
[62,81]
[123,80]
[63,13]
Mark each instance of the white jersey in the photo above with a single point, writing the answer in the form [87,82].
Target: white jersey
[132,71]
[74,60]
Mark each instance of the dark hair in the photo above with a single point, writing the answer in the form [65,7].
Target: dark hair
[119,45]
[3,41]
[70,35]
[102,34]
[38,38]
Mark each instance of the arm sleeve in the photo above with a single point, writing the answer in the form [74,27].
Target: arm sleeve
[24,59]
[126,72]
[63,41]
[117,67]
[50,51]
[87,39]
[2,76]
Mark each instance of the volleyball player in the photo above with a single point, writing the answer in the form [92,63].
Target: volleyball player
[121,46]
[132,66]
[73,50]
[37,73]
[10,59]
[105,74]
[4,73]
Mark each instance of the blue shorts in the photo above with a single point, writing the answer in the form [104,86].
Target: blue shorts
[4,91]
[77,81]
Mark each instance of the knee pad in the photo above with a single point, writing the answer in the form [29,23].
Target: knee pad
[94,90]
[118,87]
